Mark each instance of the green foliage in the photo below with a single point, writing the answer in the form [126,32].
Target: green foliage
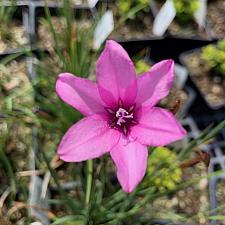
[185,9]
[141,66]
[72,52]
[6,14]
[214,55]
[73,45]
[170,172]
[126,6]
[16,102]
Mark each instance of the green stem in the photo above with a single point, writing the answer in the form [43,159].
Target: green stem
[9,170]
[131,13]
[89,181]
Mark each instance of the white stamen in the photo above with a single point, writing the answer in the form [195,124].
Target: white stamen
[122,114]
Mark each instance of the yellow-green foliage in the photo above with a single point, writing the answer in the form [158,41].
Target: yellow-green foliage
[185,9]
[141,66]
[214,55]
[126,6]
[163,170]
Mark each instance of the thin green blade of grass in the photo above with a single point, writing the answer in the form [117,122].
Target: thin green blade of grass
[7,165]
[77,220]
[205,136]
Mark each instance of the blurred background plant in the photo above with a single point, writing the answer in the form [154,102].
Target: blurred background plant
[16,121]
[185,9]
[171,173]
[70,51]
[127,7]
[214,55]
[73,40]
[6,14]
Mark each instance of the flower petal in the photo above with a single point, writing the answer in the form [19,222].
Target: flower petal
[155,84]
[131,162]
[80,93]
[87,139]
[116,75]
[157,127]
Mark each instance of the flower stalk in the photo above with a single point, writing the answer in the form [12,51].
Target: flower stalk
[89,181]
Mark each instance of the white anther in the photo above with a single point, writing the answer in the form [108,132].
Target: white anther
[122,114]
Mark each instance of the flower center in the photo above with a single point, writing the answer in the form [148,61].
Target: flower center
[122,116]
[122,119]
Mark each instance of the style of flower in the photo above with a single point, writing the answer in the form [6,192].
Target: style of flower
[121,116]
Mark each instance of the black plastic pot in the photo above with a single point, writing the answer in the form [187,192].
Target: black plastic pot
[217,163]
[164,48]
[206,106]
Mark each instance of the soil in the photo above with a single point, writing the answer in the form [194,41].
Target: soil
[15,83]
[189,30]
[220,194]
[45,38]
[128,31]
[14,37]
[211,86]
[190,202]
[138,26]
[216,18]
[132,29]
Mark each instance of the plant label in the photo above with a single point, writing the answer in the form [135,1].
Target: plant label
[103,29]
[181,75]
[164,18]
[92,3]
[200,14]
[35,199]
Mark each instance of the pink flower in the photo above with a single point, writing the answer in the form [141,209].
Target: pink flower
[120,114]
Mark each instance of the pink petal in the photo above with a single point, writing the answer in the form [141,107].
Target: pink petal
[116,76]
[155,84]
[87,139]
[80,93]
[157,127]
[131,162]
